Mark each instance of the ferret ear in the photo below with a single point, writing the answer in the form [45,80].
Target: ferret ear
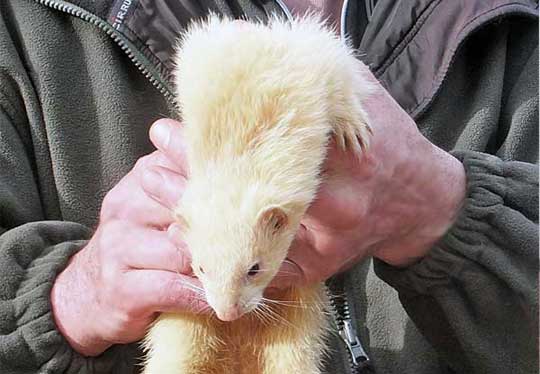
[273,218]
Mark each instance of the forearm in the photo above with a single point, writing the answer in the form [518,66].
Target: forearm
[474,295]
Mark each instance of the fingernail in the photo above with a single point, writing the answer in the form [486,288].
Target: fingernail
[161,133]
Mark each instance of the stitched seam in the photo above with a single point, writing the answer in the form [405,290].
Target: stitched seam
[440,78]
[143,48]
[409,36]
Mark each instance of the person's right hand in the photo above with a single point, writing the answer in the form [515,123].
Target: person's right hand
[134,266]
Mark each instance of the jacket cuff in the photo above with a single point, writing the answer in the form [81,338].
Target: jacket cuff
[31,256]
[463,242]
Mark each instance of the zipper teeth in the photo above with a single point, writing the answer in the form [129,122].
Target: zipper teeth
[343,19]
[285,10]
[111,32]
[338,319]
[340,314]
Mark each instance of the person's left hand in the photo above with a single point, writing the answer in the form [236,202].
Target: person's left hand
[393,204]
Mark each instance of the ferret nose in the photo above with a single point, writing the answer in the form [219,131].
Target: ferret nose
[229,314]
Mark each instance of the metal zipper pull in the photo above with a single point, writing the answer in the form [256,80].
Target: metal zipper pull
[348,333]
[359,361]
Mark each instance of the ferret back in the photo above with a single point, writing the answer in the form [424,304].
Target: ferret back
[260,89]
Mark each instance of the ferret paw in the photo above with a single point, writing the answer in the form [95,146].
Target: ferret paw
[353,137]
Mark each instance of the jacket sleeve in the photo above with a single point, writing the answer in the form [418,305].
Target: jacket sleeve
[475,295]
[33,249]
[32,252]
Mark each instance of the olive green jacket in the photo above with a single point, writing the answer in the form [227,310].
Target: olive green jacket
[81,81]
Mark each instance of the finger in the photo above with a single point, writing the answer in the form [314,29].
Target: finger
[163,185]
[175,233]
[289,274]
[311,266]
[152,249]
[128,202]
[148,291]
[156,158]
[167,135]
[315,267]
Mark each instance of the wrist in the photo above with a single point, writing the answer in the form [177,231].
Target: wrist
[441,183]
[70,309]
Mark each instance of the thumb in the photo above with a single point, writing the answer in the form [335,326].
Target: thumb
[168,137]
[289,274]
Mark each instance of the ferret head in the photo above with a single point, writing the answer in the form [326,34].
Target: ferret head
[238,242]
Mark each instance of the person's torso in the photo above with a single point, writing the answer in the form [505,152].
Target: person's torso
[94,75]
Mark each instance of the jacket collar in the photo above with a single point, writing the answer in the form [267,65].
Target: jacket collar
[409,44]
[153,25]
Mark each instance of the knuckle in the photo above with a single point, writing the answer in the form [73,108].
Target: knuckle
[110,278]
[125,302]
[122,318]
[109,206]
[152,182]
[183,263]
[110,236]
[141,163]
[146,161]
[130,309]
[110,259]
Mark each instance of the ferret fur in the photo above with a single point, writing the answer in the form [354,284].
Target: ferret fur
[259,104]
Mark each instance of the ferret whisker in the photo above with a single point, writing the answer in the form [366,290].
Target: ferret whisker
[289,262]
[204,310]
[192,287]
[261,316]
[257,313]
[272,313]
[288,303]
[266,311]
[196,290]
[264,270]
[281,272]
[284,301]
[278,318]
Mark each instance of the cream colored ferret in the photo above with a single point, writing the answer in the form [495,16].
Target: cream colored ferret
[259,104]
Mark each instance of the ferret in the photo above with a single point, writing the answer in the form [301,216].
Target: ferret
[260,103]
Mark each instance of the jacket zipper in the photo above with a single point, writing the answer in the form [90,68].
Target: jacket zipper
[359,362]
[131,51]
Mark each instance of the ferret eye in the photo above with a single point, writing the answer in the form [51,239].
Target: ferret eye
[201,269]
[254,270]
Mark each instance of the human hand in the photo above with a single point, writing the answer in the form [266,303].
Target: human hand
[134,266]
[393,204]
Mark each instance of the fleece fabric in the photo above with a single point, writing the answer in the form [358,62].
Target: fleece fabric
[74,116]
